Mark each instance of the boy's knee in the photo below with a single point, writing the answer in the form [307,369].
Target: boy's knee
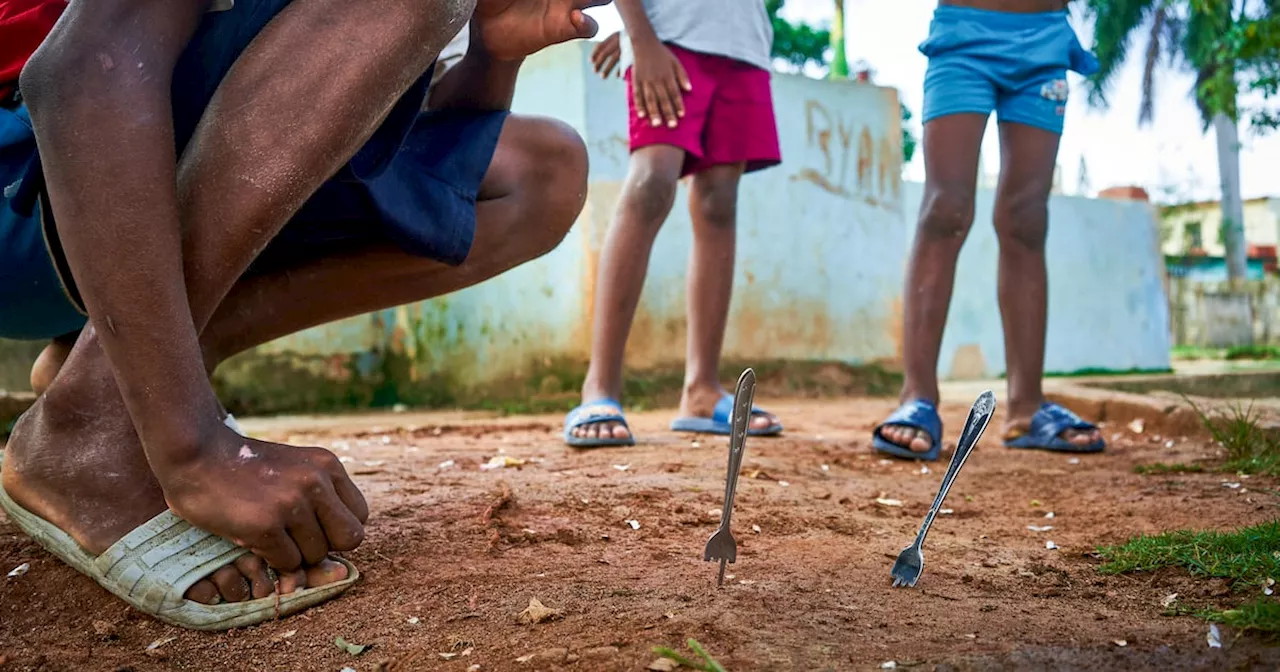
[1022,219]
[716,200]
[947,214]
[552,175]
[650,190]
[563,177]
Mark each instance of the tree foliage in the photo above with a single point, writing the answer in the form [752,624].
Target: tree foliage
[799,44]
[1231,46]
[1252,45]
[802,45]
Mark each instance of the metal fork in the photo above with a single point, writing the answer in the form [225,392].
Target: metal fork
[721,546]
[906,571]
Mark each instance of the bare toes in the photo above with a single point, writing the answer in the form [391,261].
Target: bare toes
[255,570]
[621,432]
[291,581]
[204,592]
[326,572]
[232,585]
[921,443]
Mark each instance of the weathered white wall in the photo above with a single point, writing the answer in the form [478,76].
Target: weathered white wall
[1107,305]
[821,251]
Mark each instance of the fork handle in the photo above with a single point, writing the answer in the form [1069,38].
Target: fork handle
[974,426]
[743,398]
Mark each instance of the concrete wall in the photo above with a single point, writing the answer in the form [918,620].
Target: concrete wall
[822,245]
[1220,315]
[1107,306]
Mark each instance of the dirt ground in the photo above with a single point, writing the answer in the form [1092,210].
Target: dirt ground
[455,552]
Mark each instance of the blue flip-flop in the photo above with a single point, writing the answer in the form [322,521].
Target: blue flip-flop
[593,412]
[719,422]
[919,415]
[1047,426]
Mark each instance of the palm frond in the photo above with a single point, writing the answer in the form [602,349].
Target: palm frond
[1146,108]
[1114,23]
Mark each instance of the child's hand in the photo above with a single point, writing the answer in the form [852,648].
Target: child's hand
[659,82]
[605,57]
[513,29]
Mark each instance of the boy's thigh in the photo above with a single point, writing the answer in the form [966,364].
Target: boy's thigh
[955,83]
[424,203]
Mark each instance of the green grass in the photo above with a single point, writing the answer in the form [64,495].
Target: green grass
[1093,371]
[1250,447]
[1261,615]
[1194,352]
[1246,557]
[708,664]
[1253,352]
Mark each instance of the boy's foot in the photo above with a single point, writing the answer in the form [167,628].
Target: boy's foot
[79,466]
[699,401]
[913,431]
[1051,427]
[597,424]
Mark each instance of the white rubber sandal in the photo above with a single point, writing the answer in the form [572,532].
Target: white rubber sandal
[230,421]
[152,567]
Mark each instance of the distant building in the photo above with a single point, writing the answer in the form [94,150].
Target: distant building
[1192,238]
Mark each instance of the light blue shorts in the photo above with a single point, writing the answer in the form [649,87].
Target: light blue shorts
[1014,64]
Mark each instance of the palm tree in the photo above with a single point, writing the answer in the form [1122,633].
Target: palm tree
[1182,34]
[839,62]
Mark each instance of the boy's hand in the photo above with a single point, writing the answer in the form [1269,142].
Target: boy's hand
[288,505]
[659,82]
[513,29]
[605,57]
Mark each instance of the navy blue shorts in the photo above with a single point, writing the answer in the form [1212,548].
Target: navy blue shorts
[413,184]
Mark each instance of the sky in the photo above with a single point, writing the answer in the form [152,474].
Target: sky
[1172,158]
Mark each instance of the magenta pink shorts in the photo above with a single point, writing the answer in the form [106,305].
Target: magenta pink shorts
[728,115]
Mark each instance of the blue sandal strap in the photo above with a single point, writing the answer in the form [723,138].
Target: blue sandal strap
[594,412]
[1047,426]
[917,414]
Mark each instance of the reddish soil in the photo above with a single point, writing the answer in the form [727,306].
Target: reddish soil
[463,550]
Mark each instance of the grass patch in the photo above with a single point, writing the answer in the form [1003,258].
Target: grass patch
[1093,371]
[1253,352]
[1246,557]
[707,664]
[1251,449]
[1261,615]
[1238,352]
[1164,468]
[1194,352]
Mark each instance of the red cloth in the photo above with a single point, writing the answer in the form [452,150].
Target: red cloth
[23,26]
[728,115]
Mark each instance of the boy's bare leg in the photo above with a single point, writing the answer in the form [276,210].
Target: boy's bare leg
[534,189]
[289,506]
[951,146]
[532,194]
[1028,156]
[647,197]
[713,206]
